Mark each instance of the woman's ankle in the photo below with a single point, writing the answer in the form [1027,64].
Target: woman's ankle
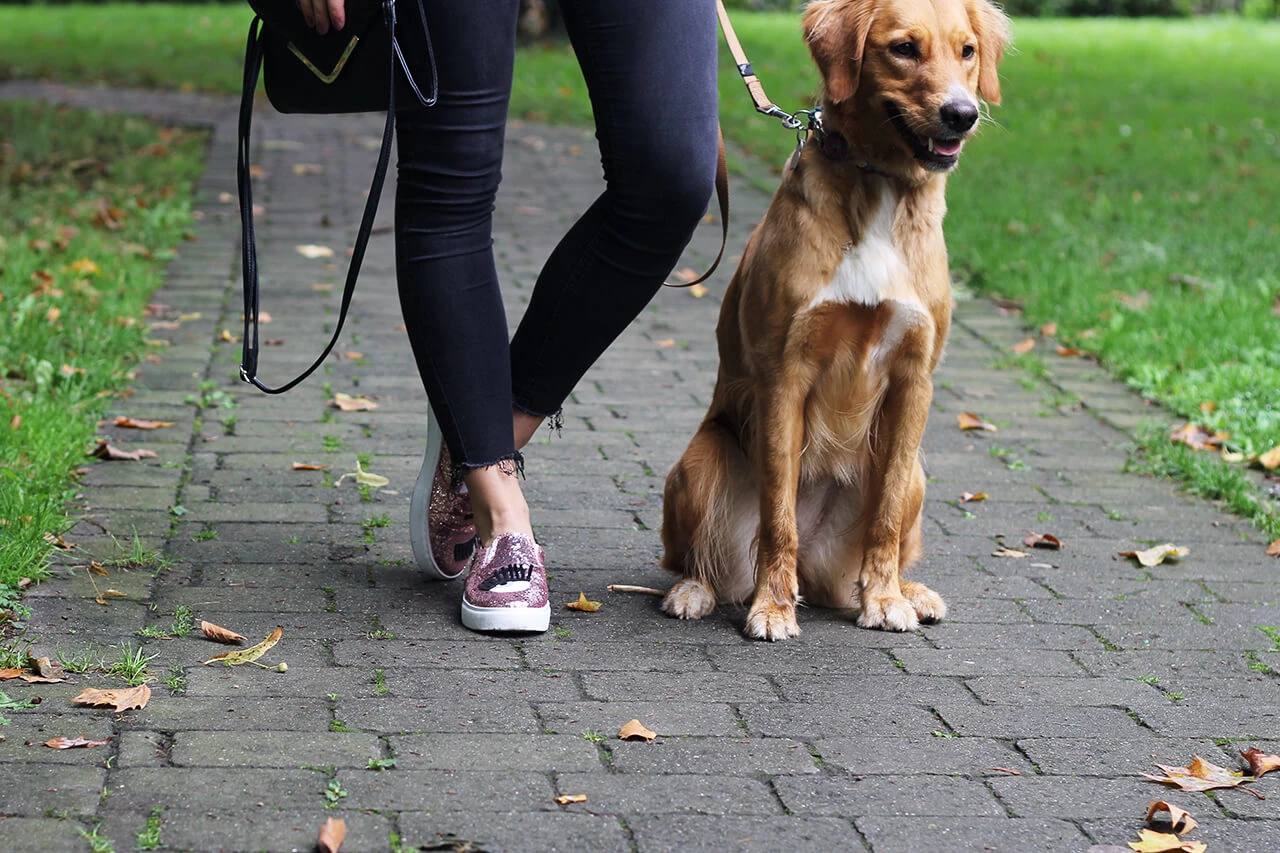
[498,503]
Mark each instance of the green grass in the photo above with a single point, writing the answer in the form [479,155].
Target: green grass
[90,208]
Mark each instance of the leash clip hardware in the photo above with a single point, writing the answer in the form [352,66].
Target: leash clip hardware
[789,121]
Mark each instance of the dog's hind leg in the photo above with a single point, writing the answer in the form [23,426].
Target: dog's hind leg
[695,503]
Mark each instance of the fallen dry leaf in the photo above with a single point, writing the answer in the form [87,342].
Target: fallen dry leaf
[972,497]
[566,799]
[1069,352]
[308,169]
[1043,540]
[46,668]
[75,742]
[347,403]
[1259,761]
[1024,346]
[309,466]
[120,700]
[313,251]
[220,634]
[1008,770]
[109,593]
[1048,330]
[666,342]
[1162,842]
[96,568]
[1273,550]
[697,291]
[685,274]
[1179,820]
[352,355]
[138,423]
[1157,555]
[969,420]
[1271,459]
[636,730]
[1007,552]
[583,605]
[1196,437]
[363,478]
[1201,775]
[11,673]
[249,655]
[108,451]
[226,337]
[332,834]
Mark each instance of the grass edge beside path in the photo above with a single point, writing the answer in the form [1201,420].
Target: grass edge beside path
[88,225]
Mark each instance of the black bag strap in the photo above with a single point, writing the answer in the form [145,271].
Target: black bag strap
[248,248]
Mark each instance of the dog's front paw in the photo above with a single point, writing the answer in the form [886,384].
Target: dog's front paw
[928,605]
[888,613]
[689,599]
[772,622]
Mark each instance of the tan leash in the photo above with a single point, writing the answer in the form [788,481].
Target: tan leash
[764,106]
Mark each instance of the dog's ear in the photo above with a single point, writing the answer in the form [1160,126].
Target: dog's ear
[836,31]
[992,28]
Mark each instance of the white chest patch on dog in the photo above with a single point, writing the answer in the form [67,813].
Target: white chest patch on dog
[873,270]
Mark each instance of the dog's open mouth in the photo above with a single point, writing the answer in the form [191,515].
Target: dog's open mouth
[937,154]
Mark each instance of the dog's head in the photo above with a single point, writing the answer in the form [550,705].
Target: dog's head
[915,66]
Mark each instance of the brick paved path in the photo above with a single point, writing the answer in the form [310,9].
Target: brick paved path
[1021,723]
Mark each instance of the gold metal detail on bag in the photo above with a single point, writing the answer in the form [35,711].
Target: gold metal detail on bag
[337,69]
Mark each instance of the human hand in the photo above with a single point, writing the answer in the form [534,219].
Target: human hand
[322,14]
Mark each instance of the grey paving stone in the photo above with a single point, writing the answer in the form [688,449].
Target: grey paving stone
[40,835]
[447,790]
[516,832]
[495,752]
[668,718]
[824,719]
[1016,721]
[247,830]
[717,756]
[697,687]
[873,689]
[950,834]
[743,834]
[394,715]
[1238,836]
[973,757]
[1066,690]
[584,656]
[1071,798]
[138,790]
[273,749]
[53,789]
[907,795]
[1228,720]
[672,794]
[986,661]
[1112,756]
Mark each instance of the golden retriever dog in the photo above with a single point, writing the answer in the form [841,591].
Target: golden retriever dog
[804,479]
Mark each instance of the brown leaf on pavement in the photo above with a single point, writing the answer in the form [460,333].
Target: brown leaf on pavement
[1197,437]
[1024,346]
[120,700]
[1151,841]
[139,423]
[972,497]
[347,403]
[312,251]
[1201,775]
[1043,540]
[10,673]
[1259,761]
[308,169]
[1008,770]
[1271,459]
[220,634]
[969,420]
[1048,330]
[566,799]
[250,654]
[643,590]
[75,742]
[1179,820]
[1157,555]
[1069,352]
[108,451]
[685,274]
[697,291]
[636,730]
[46,668]
[96,568]
[583,605]
[332,834]
[1273,550]
[1007,552]
[309,466]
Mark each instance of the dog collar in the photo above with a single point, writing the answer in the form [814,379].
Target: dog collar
[835,147]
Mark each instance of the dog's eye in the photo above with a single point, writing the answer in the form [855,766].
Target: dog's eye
[906,49]
[967,51]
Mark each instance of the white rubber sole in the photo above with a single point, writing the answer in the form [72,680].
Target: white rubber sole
[506,618]
[420,503]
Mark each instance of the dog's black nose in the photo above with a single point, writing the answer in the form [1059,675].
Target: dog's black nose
[959,115]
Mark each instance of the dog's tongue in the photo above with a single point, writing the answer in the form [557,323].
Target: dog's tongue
[948,149]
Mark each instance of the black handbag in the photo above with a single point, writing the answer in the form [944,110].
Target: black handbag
[344,71]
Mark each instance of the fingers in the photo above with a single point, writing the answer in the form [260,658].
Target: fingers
[338,13]
[316,13]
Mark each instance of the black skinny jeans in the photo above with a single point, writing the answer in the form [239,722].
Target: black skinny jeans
[650,68]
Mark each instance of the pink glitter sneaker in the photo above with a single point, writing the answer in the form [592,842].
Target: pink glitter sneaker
[507,587]
[441,526]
